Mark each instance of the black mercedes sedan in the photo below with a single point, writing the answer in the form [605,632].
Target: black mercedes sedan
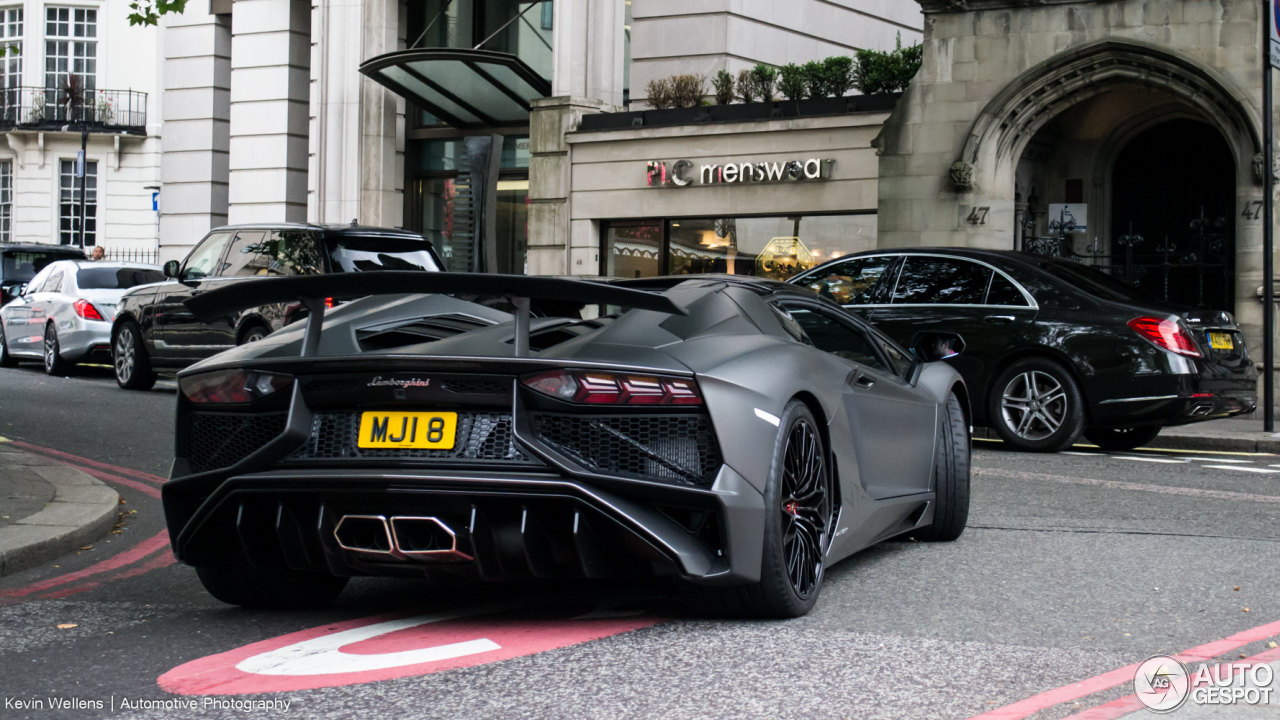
[1054,349]
[153,330]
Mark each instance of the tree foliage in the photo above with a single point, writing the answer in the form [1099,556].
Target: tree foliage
[148,12]
[879,72]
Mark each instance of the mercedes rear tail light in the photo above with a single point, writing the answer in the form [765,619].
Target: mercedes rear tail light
[232,386]
[1165,333]
[603,388]
[86,310]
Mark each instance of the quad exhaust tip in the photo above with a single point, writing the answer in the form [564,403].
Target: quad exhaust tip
[364,534]
[425,539]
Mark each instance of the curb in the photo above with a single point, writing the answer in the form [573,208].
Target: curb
[1244,443]
[83,510]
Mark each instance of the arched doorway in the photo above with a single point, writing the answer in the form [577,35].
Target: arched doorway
[1173,188]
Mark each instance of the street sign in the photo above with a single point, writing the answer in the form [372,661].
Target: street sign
[1274,45]
[80,164]
[155,200]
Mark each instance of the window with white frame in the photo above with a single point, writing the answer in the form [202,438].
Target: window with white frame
[11,44]
[6,201]
[69,204]
[70,47]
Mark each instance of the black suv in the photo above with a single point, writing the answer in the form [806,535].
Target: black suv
[154,330]
[20,263]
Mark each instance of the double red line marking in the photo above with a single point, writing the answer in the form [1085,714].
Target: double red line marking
[129,563]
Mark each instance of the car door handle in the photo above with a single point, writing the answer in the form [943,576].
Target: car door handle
[998,319]
[864,381]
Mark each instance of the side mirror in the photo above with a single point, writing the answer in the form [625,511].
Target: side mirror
[172,268]
[935,346]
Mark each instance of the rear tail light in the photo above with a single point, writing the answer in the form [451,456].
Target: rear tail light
[329,303]
[1165,333]
[86,310]
[232,386]
[597,388]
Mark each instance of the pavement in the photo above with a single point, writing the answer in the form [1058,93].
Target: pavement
[1242,434]
[48,509]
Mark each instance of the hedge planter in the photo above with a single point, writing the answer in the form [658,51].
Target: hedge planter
[741,112]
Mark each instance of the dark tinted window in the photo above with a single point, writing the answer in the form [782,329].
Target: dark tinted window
[1095,282]
[277,253]
[109,278]
[357,253]
[828,334]
[939,280]
[1003,292]
[22,265]
[860,281]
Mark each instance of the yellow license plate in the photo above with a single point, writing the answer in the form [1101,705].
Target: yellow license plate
[420,430]
[1220,341]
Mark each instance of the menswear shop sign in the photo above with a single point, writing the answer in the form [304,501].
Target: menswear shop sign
[680,173]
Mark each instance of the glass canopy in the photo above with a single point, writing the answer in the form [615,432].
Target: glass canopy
[464,88]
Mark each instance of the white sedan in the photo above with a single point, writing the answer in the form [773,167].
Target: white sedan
[64,315]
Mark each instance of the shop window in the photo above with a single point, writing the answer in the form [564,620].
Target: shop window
[633,250]
[772,247]
[513,226]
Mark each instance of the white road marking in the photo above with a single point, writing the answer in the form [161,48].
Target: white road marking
[773,420]
[323,656]
[1220,460]
[1074,452]
[1237,467]
[1147,459]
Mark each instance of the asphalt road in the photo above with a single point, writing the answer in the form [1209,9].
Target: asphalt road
[1074,565]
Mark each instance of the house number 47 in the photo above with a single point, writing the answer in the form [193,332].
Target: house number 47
[978,216]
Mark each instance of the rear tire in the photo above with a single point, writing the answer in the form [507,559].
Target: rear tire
[1122,438]
[276,589]
[54,364]
[6,360]
[951,477]
[799,511]
[1036,406]
[130,360]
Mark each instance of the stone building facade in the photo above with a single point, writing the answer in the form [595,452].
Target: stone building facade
[1139,120]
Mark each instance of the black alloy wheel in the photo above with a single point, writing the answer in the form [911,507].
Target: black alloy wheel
[806,508]
[799,515]
[129,358]
[1122,438]
[53,362]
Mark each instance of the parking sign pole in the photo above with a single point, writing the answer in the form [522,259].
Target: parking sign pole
[1268,228]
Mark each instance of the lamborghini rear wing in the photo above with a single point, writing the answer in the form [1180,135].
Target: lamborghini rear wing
[313,290]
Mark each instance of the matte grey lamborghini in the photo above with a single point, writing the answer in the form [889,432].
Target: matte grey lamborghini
[738,435]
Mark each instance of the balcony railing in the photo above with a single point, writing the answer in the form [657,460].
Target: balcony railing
[123,111]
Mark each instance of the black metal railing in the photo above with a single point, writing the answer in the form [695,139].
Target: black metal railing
[132,255]
[98,110]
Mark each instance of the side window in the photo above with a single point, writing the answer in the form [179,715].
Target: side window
[860,281]
[295,252]
[37,282]
[939,280]
[54,283]
[1003,292]
[248,257]
[900,361]
[838,338]
[203,260]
